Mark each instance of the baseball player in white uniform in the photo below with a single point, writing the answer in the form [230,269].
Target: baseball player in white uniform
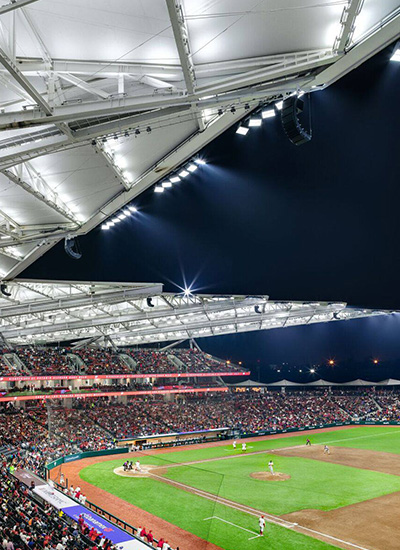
[244,446]
[326,450]
[137,466]
[271,467]
[261,523]
[234,444]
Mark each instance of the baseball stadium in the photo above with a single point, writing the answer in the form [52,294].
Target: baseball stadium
[244,154]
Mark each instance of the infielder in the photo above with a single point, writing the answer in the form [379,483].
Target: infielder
[308,442]
[271,467]
[326,450]
[261,523]
[244,446]
[234,444]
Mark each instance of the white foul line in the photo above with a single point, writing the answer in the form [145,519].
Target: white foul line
[234,525]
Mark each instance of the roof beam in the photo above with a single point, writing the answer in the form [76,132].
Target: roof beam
[24,82]
[111,164]
[86,86]
[181,36]
[271,81]
[358,54]
[182,43]
[347,23]
[32,27]
[14,5]
[40,189]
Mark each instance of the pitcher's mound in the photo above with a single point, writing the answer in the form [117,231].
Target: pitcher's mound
[267,476]
[146,471]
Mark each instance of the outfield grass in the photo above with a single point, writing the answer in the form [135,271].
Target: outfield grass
[313,484]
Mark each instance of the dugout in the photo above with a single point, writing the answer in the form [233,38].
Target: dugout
[158,441]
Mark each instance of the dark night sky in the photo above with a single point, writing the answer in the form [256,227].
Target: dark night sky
[317,222]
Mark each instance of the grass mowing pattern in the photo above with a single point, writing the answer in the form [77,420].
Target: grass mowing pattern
[188,511]
[313,485]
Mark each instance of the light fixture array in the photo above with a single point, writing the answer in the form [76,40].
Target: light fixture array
[179,175]
[119,217]
[175,177]
[256,119]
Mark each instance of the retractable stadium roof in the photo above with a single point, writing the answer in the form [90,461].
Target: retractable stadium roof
[140,313]
[80,82]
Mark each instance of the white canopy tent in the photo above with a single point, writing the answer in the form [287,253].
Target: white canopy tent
[101,100]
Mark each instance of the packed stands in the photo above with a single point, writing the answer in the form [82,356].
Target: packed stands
[93,424]
[47,360]
[98,361]
[197,361]
[93,361]
[389,407]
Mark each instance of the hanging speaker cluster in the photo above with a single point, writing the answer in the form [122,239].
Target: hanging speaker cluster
[293,128]
[72,248]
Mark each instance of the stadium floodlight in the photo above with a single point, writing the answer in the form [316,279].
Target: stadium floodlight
[116,220]
[126,212]
[192,167]
[268,113]
[200,161]
[183,174]
[121,216]
[167,184]
[396,55]
[242,130]
[175,179]
[255,122]
[105,226]
[132,208]
[158,189]
[279,105]
[110,223]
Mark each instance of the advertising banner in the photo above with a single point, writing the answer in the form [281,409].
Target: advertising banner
[119,376]
[116,535]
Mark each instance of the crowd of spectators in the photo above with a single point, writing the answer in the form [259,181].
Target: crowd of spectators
[389,407]
[58,361]
[101,361]
[358,406]
[198,361]
[49,360]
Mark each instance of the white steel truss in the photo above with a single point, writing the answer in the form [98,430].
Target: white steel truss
[58,104]
[45,312]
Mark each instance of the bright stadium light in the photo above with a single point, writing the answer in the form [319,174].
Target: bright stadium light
[255,122]
[116,220]
[121,216]
[183,174]
[111,223]
[279,105]
[396,55]
[167,184]
[132,208]
[268,113]
[105,226]
[312,371]
[175,179]
[127,212]
[158,189]
[242,130]
[200,161]
[192,167]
